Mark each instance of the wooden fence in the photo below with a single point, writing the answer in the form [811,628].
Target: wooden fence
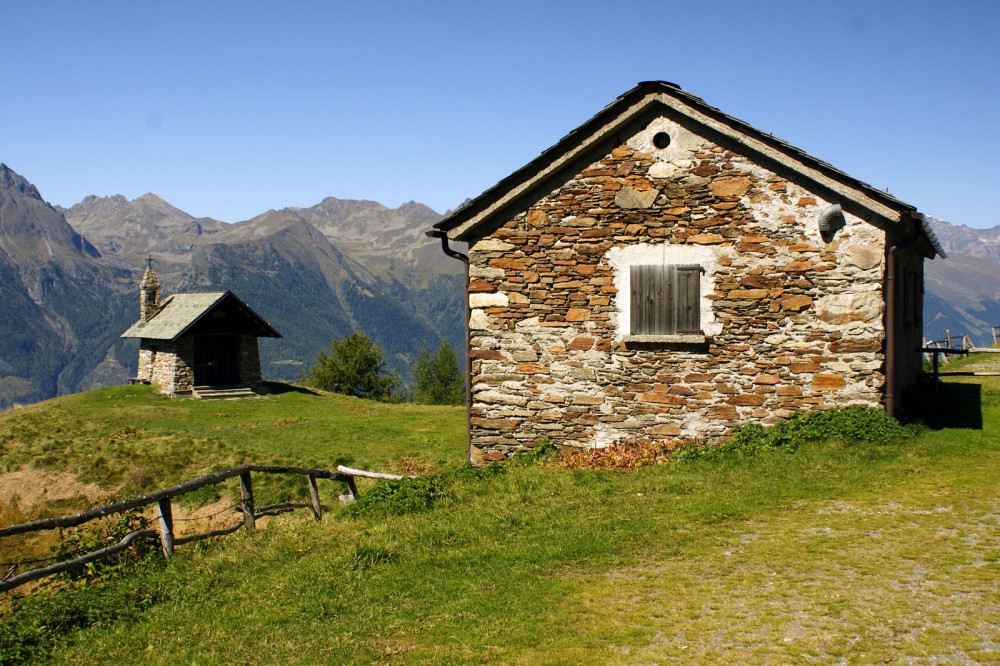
[934,349]
[163,500]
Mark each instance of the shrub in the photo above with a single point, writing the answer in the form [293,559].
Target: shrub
[858,424]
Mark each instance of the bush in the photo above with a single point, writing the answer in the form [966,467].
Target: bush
[857,424]
[355,366]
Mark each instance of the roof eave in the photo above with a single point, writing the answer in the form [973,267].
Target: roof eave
[874,206]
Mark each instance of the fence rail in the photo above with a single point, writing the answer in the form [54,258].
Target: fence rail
[163,500]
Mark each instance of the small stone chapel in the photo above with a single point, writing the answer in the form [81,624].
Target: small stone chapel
[197,344]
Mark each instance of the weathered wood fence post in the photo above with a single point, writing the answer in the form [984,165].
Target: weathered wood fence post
[246,492]
[314,497]
[166,527]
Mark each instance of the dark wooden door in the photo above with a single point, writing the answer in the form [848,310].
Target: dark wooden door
[216,360]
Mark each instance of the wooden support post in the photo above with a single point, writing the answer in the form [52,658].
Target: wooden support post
[935,364]
[352,489]
[314,496]
[246,492]
[947,337]
[166,527]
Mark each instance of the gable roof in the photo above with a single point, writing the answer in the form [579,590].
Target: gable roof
[647,100]
[180,312]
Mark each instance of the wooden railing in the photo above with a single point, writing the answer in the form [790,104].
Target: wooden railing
[163,500]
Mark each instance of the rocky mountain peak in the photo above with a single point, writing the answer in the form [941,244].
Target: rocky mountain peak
[11,180]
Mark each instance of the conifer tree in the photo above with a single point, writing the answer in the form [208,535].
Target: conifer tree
[437,377]
[355,366]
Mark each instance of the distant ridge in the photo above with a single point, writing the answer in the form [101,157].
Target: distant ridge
[70,278]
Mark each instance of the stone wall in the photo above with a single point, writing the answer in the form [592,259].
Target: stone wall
[168,365]
[249,360]
[791,323]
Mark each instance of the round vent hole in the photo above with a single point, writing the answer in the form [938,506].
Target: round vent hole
[661,140]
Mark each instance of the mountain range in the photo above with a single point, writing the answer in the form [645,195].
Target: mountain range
[69,282]
[962,292]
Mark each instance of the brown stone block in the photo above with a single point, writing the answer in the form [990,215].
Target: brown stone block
[855,346]
[698,377]
[532,369]
[746,400]
[503,425]
[480,286]
[798,368]
[662,398]
[796,303]
[722,412]
[593,248]
[510,264]
[705,169]
[486,355]
[802,247]
[680,389]
[705,239]
[805,201]
[664,430]
[790,390]
[709,222]
[588,400]
[578,314]
[621,151]
[725,205]
[726,389]
[766,379]
[777,187]
[758,282]
[581,344]
[538,218]
[828,382]
[730,187]
[597,171]
[798,266]
[747,294]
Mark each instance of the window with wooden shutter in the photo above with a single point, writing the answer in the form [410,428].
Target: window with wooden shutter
[665,299]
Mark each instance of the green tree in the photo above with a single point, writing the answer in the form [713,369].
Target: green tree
[355,366]
[437,378]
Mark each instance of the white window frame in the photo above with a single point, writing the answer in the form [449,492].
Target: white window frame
[621,259]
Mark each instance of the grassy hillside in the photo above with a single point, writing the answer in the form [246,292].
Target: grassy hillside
[838,552]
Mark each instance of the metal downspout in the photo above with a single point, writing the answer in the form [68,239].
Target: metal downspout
[891,381]
[468,336]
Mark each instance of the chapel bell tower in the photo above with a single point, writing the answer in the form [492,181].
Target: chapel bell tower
[149,293]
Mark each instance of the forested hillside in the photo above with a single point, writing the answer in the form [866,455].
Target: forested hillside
[314,273]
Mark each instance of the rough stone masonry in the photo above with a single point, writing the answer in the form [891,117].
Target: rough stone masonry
[790,323]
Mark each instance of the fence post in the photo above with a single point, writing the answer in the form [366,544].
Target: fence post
[993,330]
[166,527]
[947,336]
[246,493]
[314,496]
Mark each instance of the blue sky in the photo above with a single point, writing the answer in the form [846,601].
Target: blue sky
[226,109]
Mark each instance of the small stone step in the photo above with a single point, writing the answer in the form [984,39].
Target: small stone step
[232,392]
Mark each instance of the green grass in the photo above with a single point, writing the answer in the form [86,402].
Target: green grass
[131,438]
[841,551]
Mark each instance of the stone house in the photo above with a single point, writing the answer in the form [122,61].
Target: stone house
[201,344]
[667,270]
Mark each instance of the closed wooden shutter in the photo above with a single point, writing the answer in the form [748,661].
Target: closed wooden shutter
[688,308]
[665,299]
